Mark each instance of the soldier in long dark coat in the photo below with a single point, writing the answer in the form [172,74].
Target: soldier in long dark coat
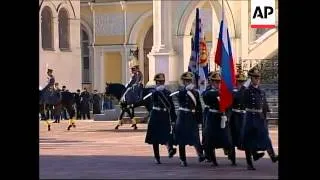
[85,104]
[77,100]
[96,100]
[255,136]
[215,130]
[205,110]
[236,116]
[162,116]
[57,100]
[189,119]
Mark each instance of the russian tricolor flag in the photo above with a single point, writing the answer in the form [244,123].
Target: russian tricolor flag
[224,59]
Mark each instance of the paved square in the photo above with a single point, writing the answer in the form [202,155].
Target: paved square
[94,150]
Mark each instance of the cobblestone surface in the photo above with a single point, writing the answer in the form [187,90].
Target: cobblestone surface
[95,150]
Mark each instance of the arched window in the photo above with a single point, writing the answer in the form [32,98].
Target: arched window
[64,30]
[85,56]
[47,28]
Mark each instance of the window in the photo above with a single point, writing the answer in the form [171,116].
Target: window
[64,30]
[47,29]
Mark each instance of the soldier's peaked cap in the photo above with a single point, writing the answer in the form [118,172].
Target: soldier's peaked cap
[241,76]
[159,77]
[215,76]
[254,73]
[187,76]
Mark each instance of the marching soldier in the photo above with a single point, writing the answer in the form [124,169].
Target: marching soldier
[77,100]
[215,130]
[255,135]
[205,110]
[84,103]
[57,98]
[236,114]
[162,116]
[64,108]
[189,119]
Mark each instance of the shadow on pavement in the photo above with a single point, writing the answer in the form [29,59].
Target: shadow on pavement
[143,167]
[117,131]
[54,140]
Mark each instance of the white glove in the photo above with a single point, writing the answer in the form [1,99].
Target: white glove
[223,121]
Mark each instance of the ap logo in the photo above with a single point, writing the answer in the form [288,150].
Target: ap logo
[263,14]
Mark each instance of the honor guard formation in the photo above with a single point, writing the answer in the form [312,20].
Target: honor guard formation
[243,126]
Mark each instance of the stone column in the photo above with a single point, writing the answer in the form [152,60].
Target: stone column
[55,34]
[96,66]
[184,47]
[102,82]
[162,57]
[244,29]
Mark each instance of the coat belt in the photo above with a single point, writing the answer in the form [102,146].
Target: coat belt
[254,110]
[213,110]
[186,109]
[159,108]
[238,110]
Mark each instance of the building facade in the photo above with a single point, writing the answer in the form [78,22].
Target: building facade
[109,30]
[59,42]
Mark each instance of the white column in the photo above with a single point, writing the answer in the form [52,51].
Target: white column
[102,73]
[124,9]
[166,26]
[96,67]
[91,68]
[156,25]
[162,58]
[124,64]
[244,29]
[184,47]
[56,33]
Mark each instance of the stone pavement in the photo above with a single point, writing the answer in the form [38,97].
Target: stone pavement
[94,150]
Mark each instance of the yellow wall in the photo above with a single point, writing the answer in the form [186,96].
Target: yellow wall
[85,10]
[139,7]
[109,39]
[112,64]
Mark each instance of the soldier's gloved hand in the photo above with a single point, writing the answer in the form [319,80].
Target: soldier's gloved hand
[223,121]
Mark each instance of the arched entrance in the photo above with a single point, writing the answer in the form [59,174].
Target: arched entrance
[147,46]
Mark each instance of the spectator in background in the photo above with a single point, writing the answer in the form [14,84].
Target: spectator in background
[96,99]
